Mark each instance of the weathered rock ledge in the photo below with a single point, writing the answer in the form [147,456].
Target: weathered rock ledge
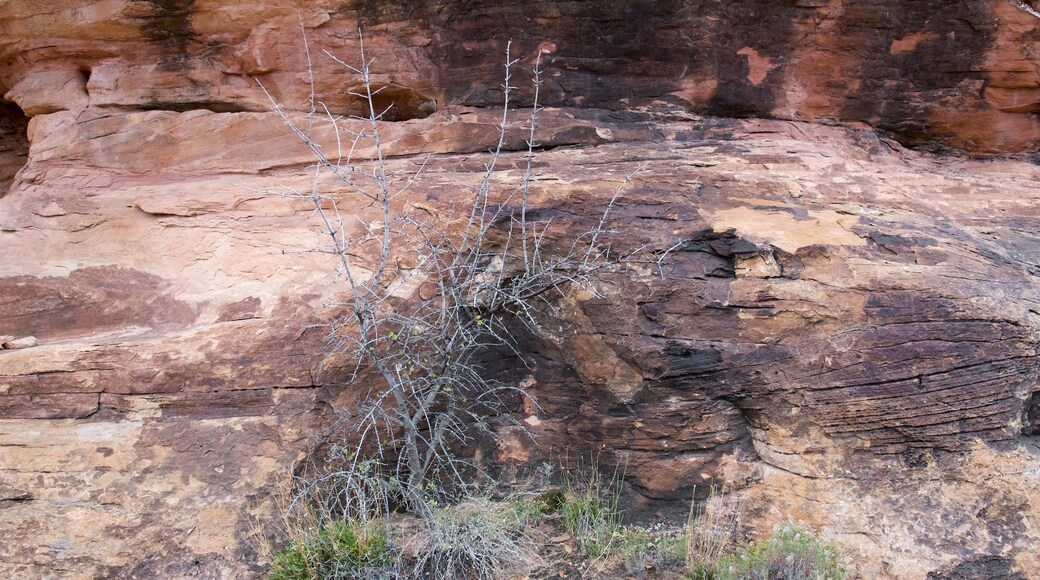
[935,74]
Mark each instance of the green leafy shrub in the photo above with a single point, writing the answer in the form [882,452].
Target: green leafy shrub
[790,553]
[336,549]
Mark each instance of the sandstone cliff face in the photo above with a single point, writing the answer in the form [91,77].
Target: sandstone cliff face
[933,73]
[842,328]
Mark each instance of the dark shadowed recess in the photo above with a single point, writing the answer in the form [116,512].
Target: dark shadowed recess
[169,25]
[1031,421]
[768,29]
[612,53]
[981,568]
[14,143]
[955,38]
[722,58]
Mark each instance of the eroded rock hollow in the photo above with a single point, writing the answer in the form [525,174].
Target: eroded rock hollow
[836,312]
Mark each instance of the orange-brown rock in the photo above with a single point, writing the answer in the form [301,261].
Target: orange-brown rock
[841,329]
[933,74]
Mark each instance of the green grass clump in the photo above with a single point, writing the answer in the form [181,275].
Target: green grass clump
[641,549]
[336,549]
[591,511]
[526,511]
[790,553]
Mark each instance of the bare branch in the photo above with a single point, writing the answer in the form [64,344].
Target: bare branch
[496,273]
[1025,7]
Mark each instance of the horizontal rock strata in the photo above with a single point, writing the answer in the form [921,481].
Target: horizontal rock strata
[934,74]
[841,329]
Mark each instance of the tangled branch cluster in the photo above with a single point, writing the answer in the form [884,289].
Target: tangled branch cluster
[419,353]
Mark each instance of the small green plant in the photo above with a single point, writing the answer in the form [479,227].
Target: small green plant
[337,549]
[790,553]
[550,500]
[591,510]
[527,510]
[642,549]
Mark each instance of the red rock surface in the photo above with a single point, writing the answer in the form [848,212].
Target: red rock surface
[844,329]
[933,73]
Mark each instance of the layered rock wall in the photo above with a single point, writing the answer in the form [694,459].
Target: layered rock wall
[835,326]
[933,73]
